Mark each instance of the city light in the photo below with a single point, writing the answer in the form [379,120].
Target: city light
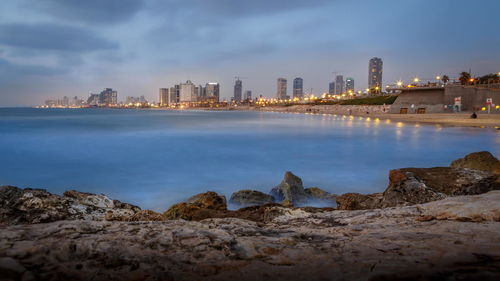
[399,83]
[416,80]
[438,77]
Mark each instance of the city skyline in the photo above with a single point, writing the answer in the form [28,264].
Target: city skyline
[64,48]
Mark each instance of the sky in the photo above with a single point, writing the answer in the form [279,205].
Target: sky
[53,48]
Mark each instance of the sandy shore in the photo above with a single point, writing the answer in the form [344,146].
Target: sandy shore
[444,119]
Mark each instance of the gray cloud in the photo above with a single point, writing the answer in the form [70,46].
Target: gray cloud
[52,37]
[9,70]
[233,8]
[91,11]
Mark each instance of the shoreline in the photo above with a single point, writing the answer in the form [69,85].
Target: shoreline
[444,119]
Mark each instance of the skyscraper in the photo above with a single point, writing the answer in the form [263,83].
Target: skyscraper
[298,87]
[238,90]
[331,88]
[248,95]
[339,84]
[349,84]
[281,91]
[375,74]
[174,94]
[212,91]
[164,101]
[187,92]
[108,97]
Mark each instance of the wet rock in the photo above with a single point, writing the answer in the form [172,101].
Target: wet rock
[482,160]
[246,198]
[357,201]
[316,195]
[290,190]
[39,206]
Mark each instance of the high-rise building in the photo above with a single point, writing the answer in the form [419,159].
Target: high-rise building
[349,84]
[248,95]
[339,84]
[238,90]
[164,101]
[375,74]
[174,94]
[93,99]
[281,90]
[212,91]
[187,92]
[65,101]
[331,88]
[298,87]
[108,97]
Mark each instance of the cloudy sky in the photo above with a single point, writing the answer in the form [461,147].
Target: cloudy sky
[52,48]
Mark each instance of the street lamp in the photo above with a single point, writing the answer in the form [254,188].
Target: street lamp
[438,77]
[416,80]
[399,83]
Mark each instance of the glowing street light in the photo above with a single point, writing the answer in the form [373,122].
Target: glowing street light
[438,77]
[416,80]
[399,83]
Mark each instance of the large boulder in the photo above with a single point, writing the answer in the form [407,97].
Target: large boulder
[198,207]
[411,186]
[38,206]
[246,198]
[290,190]
[482,160]
[208,200]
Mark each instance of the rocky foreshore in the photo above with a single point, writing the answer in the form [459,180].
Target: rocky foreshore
[439,223]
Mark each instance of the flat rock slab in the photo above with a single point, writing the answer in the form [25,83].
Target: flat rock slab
[419,242]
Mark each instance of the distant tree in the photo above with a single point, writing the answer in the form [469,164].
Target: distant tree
[445,79]
[488,78]
[464,78]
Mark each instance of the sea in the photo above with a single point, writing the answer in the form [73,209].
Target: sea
[155,158]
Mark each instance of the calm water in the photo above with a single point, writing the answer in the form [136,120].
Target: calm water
[155,158]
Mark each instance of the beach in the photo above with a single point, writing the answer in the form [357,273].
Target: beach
[462,119]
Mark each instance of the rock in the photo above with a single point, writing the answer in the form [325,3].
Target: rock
[421,185]
[146,215]
[39,206]
[484,207]
[356,201]
[246,198]
[208,200]
[293,244]
[201,206]
[290,190]
[483,161]
[410,186]
[97,200]
[316,195]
